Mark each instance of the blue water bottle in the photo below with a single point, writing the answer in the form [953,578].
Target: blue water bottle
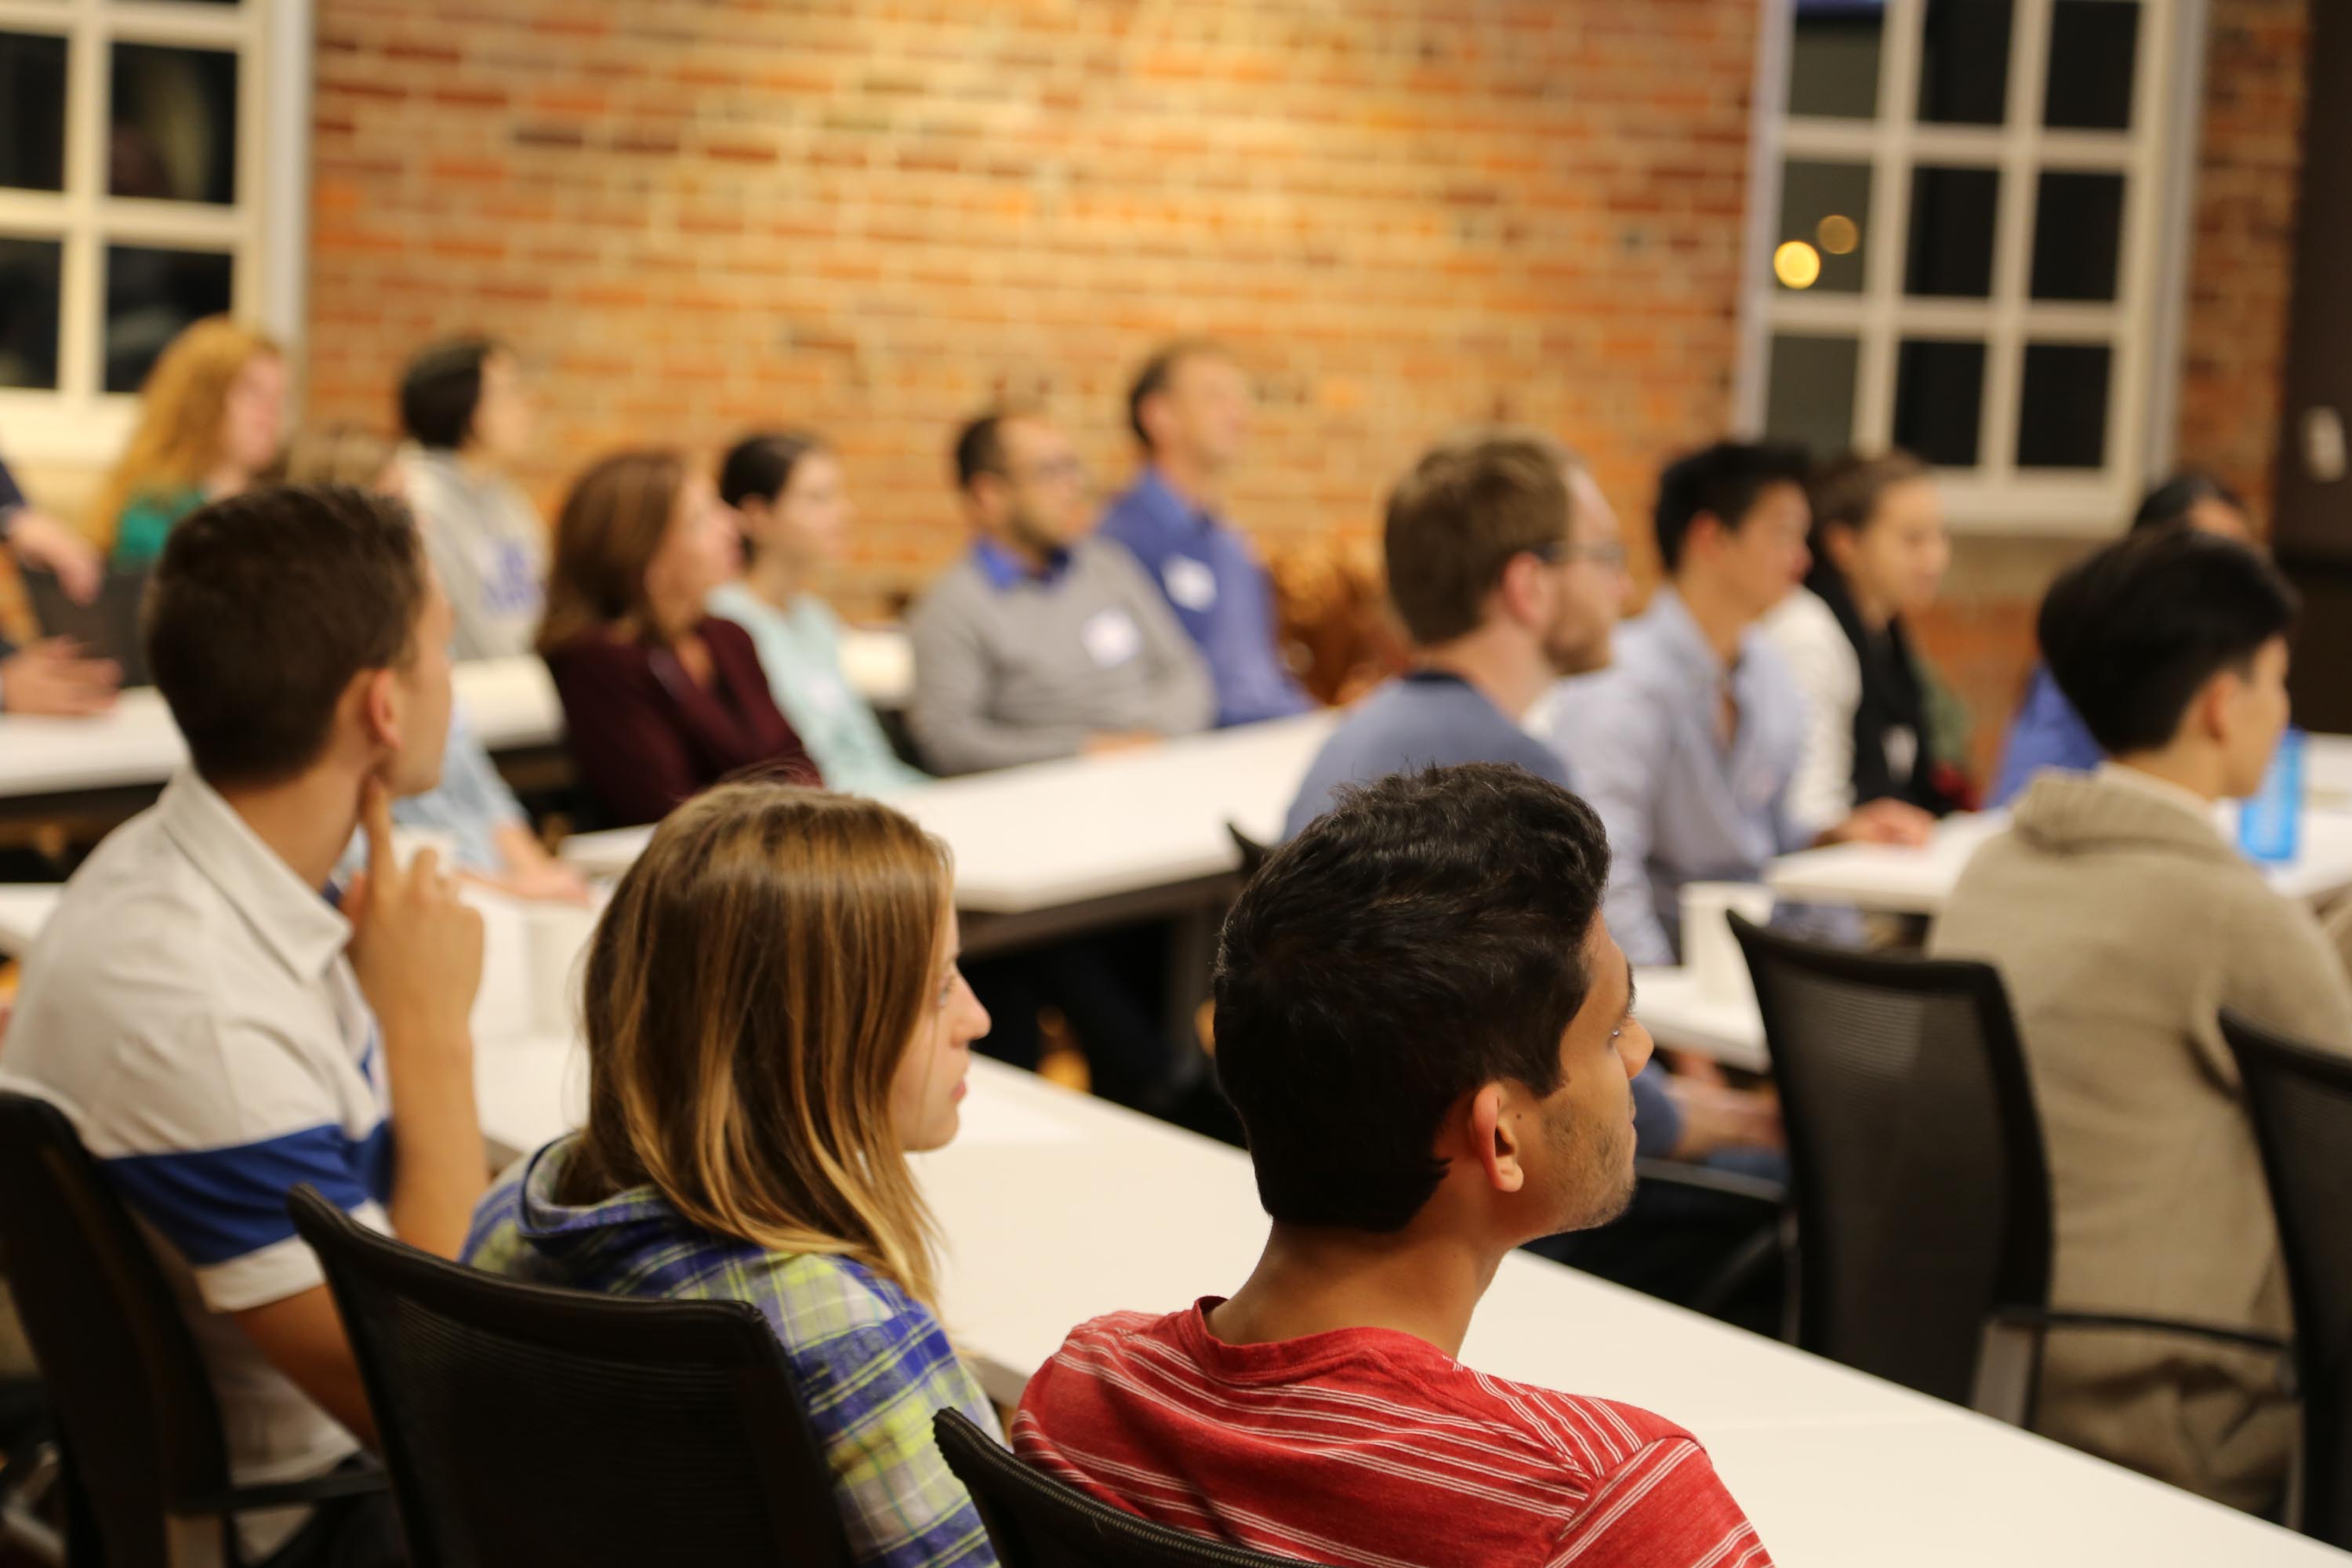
[2270,822]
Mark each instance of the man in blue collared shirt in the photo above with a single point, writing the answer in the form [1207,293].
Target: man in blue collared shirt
[1687,744]
[1189,408]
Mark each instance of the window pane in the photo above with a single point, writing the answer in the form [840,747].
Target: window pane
[2078,224]
[1940,399]
[1952,215]
[2094,45]
[150,296]
[1810,399]
[1964,62]
[2062,413]
[28,311]
[1834,57]
[174,124]
[32,112]
[1824,226]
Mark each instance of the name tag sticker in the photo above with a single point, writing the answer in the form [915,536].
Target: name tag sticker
[1111,639]
[1191,585]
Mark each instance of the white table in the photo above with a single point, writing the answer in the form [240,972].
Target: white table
[1056,1208]
[1919,881]
[25,909]
[512,703]
[1681,1016]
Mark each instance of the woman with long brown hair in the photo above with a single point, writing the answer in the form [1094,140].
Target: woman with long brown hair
[661,699]
[775,1021]
[210,418]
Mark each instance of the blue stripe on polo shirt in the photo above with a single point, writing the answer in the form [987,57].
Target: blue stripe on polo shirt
[219,1205]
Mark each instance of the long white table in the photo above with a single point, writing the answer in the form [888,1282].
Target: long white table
[1681,1015]
[510,702]
[1056,1208]
[1920,881]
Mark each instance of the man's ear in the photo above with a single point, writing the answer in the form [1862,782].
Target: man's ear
[376,695]
[1493,1143]
[1519,593]
[2209,713]
[1707,532]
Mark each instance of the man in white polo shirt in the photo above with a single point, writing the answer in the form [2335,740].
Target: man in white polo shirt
[218,1030]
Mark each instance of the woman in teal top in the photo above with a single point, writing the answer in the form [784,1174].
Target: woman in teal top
[796,520]
[210,418]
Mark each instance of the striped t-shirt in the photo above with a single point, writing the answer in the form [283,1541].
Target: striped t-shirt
[1370,1447]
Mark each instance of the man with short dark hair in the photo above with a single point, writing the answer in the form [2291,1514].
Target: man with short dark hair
[218,1029]
[1043,641]
[2123,921]
[1190,409]
[1429,1036]
[464,405]
[2047,732]
[1688,743]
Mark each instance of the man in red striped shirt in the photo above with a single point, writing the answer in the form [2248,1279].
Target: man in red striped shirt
[1427,1031]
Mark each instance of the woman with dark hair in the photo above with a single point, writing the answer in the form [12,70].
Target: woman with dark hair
[464,405]
[1879,552]
[2047,732]
[794,514]
[661,699]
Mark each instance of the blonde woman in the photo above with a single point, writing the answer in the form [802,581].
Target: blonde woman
[210,418]
[775,1021]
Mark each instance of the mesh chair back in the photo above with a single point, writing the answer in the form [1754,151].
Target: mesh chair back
[133,1403]
[1923,1202]
[525,1424]
[2301,1103]
[1035,1521]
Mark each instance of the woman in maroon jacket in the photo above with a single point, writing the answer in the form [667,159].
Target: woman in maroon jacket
[660,701]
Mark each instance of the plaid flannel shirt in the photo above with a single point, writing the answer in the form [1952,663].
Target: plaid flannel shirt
[873,1363]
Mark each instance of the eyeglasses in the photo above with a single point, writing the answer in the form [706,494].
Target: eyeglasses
[1611,555]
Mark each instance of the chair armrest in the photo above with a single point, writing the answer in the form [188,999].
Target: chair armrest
[334,1484]
[2046,1319]
[1706,1179]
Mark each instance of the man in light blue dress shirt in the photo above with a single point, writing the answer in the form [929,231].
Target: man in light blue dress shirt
[1190,409]
[1687,744]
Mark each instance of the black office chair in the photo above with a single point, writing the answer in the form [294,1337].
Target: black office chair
[2300,1099]
[526,1424]
[1035,1521]
[1922,1194]
[145,1458]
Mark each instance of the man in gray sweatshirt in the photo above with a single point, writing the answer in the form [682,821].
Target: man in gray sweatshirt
[1043,641]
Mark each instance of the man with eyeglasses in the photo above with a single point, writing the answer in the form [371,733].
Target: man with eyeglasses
[1043,641]
[1505,565]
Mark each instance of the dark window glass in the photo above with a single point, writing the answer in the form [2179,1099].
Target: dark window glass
[1834,57]
[172,126]
[2094,50]
[1825,207]
[151,295]
[2078,225]
[1810,397]
[1940,399]
[1952,216]
[1964,62]
[2061,411]
[32,112]
[29,270]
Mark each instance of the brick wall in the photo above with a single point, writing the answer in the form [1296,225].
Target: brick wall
[871,217]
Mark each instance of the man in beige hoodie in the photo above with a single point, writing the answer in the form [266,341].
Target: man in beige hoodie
[2123,922]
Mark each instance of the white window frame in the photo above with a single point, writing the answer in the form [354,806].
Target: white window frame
[78,424]
[2143,325]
